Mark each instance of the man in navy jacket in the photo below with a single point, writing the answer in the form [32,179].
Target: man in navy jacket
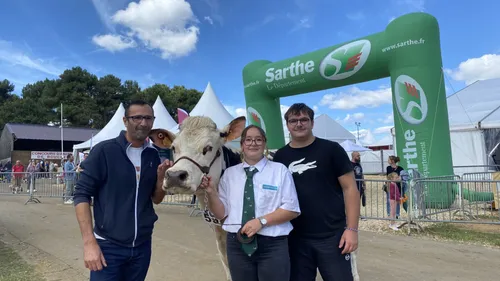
[124,176]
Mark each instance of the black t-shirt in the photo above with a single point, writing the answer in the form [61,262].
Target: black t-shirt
[358,174]
[315,170]
[397,170]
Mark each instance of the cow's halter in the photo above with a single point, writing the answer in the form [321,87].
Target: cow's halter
[204,169]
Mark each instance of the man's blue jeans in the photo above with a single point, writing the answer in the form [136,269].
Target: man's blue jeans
[124,264]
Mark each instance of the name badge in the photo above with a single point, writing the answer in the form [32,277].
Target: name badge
[210,218]
[269,187]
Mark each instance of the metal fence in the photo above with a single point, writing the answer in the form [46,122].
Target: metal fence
[36,186]
[470,198]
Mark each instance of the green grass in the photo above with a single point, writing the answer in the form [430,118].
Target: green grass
[14,268]
[463,234]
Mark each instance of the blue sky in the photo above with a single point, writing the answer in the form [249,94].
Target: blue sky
[212,40]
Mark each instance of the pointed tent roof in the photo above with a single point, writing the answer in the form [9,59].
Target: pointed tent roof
[111,130]
[163,119]
[327,128]
[210,106]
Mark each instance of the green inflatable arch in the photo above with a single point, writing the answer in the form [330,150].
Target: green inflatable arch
[409,52]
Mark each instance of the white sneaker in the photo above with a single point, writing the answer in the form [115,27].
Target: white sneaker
[394,227]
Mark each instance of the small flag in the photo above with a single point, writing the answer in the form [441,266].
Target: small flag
[181,115]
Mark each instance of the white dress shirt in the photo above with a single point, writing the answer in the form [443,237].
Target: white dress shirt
[273,188]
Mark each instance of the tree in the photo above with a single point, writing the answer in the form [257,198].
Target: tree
[88,101]
[6,89]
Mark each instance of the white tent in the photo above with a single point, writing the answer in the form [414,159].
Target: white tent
[350,146]
[474,117]
[210,106]
[163,119]
[111,130]
[327,128]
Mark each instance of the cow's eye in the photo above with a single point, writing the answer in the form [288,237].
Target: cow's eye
[207,149]
[173,149]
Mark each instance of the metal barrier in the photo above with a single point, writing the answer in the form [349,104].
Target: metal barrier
[451,199]
[469,198]
[40,185]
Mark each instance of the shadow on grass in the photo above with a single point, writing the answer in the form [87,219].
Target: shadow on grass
[14,268]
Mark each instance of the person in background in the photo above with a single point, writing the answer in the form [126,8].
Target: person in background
[394,197]
[393,168]
[326,232]
[358,175]
[18,172]
[69,179]
[256,199]
[31,179]
[125,177]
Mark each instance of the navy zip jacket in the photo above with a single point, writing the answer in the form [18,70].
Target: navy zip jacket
[123,211]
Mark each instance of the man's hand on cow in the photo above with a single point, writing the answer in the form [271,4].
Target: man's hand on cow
[93,257]
[162,168]
[206,184]
[349,241]
[251,227]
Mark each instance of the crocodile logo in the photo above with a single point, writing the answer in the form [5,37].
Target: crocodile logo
[296,167]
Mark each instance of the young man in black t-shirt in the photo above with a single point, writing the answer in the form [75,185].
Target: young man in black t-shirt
[326,232]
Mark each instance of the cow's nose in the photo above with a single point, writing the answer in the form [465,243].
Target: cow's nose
[177,177]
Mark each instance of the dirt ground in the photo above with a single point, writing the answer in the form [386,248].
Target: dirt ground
[47,236]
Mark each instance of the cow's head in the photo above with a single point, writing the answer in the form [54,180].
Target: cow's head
[197,149]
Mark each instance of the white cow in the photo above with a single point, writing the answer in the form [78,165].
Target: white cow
[197,150]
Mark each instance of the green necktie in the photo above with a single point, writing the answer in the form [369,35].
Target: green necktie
[249,211]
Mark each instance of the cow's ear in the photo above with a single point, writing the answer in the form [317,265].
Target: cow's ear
[162,138]
[233,130]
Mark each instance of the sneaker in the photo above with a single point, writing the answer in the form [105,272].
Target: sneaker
[394,227]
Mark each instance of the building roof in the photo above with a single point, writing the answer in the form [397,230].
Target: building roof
[44,132]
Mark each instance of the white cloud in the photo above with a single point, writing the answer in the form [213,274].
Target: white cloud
[15,57]
[354,117]
[355,97]
[366,137]
[356,16]
[388,119]
[103,8]
[209,20]
[383,130]
[473,69]
[164,25]
[113,42]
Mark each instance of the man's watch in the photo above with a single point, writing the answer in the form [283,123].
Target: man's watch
[263,221]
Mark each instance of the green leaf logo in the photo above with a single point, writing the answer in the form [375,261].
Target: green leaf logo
[255,118]
[411,100]
[345,61]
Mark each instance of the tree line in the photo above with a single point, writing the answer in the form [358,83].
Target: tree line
[88,101]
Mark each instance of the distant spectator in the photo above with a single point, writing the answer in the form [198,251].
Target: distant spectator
[18,171]
[393,168]
[69,179]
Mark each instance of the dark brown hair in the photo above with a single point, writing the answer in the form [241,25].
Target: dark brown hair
[394,159]
[244,133]
[298,108]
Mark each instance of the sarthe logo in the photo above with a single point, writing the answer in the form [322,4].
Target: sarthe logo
[255,118]
[345,61]
[410,100]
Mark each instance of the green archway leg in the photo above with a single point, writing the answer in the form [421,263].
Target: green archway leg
[408,51]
